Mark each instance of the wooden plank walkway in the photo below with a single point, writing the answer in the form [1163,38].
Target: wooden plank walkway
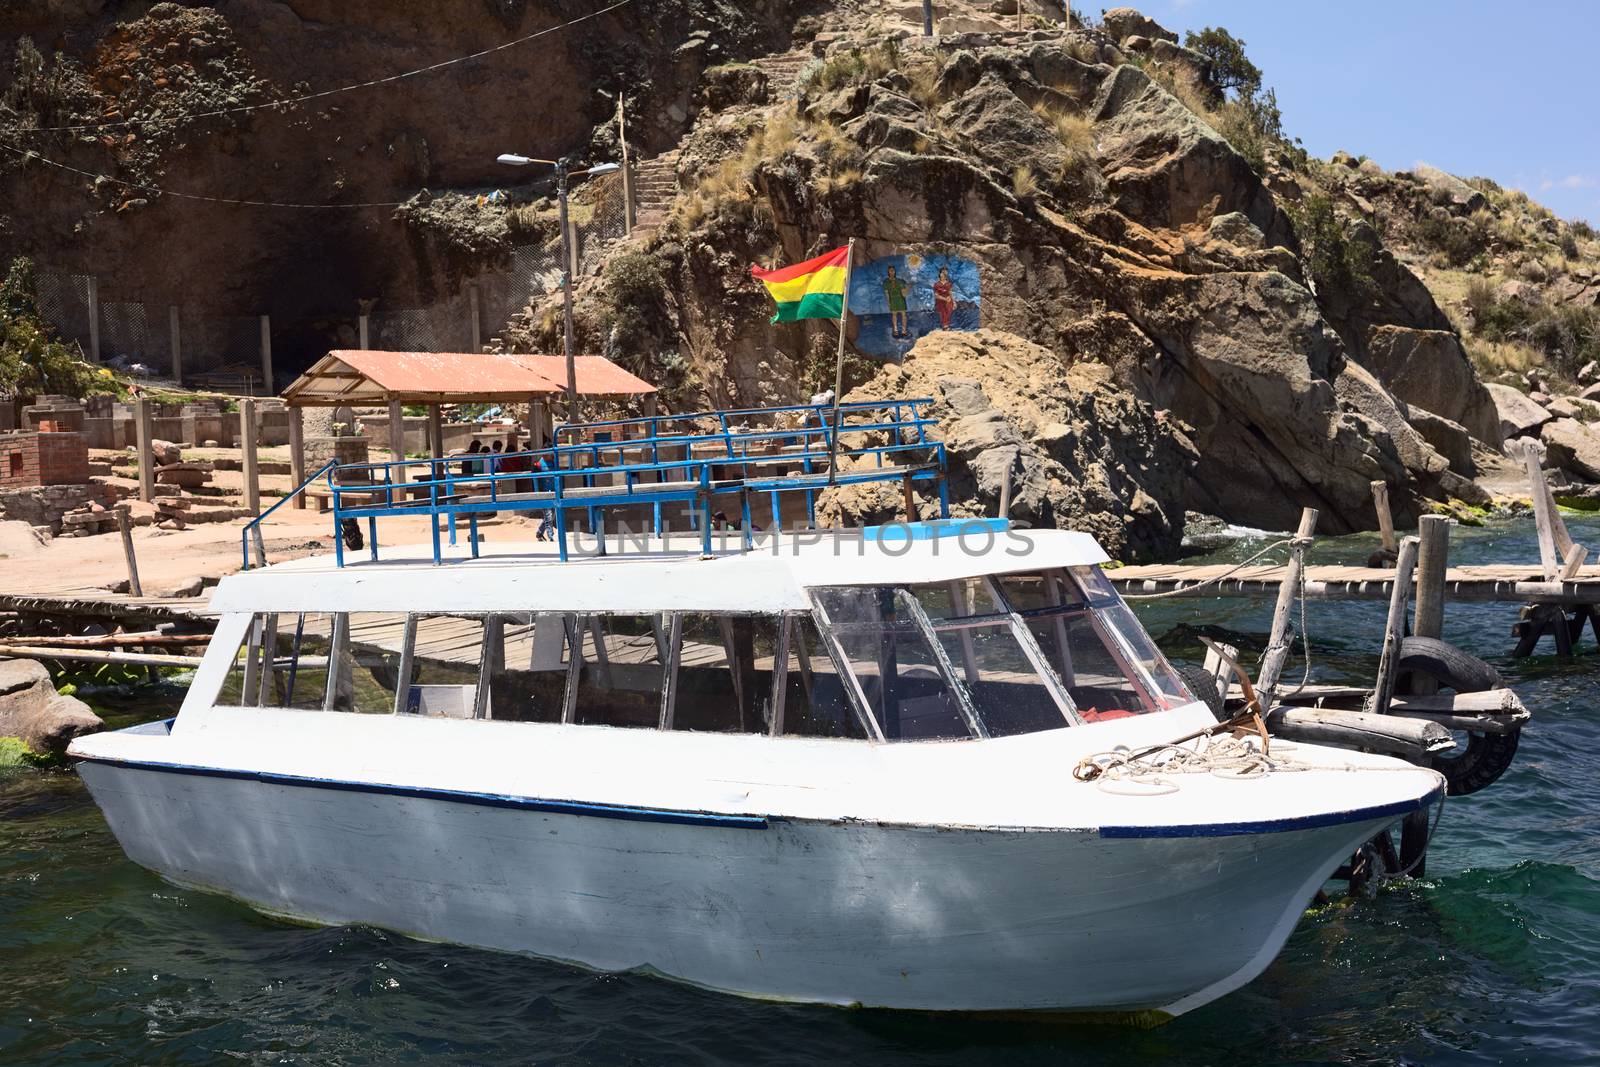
[100,605]
[1509,583]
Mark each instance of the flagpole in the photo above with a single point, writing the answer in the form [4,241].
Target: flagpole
[838,368]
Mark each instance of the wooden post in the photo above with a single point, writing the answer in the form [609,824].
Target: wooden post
[247,436]
[92,295]
[125,527]
[297,451]
[142,437]
[627,169]
[266,355]
[1005,493]
[1543,514]
[1394,629]
[476,314]
[1432,558]
[435,432]
[177,344]
[1279,642]
[1380,501]
[402,679]
[397,439]
[362,321]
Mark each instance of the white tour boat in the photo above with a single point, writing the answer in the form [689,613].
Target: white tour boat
[824,769]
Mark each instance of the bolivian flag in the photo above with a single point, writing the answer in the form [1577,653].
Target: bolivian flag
[810,290]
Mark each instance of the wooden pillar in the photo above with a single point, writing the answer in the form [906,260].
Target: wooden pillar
[1433,556]
[1279,642]
[476,314]
[125,527]
[297,451]
[177,345]
[627,167]
[1394,629]
[397,438]
[435,432]
[247,441]
[142,437]
[266,355]
[92,296]
[1380,501]
[539,420]
[362,323]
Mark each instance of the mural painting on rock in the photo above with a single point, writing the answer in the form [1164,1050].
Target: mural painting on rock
[894,300]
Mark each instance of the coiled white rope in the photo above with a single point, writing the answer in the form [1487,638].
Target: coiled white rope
[1151,772]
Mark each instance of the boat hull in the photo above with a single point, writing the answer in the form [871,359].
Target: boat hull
[824,911]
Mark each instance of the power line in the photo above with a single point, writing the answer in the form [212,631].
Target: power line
[30,154]
[292,100]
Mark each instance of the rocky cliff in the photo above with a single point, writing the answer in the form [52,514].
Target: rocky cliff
[1182,310]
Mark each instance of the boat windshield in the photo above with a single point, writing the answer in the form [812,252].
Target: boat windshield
[992,657]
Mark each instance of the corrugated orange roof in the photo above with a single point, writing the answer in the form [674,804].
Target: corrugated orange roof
[356,377]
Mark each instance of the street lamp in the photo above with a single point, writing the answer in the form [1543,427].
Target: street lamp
[561,166]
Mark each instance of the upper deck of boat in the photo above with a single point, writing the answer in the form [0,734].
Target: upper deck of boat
[654,573]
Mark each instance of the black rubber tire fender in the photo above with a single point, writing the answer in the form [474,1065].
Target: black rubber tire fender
[1204,687]
[1486,756]
[1448,665]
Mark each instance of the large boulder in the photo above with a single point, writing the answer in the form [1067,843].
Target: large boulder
[1165,168]
[1120,23]
[1079,451]
[1573,447]
[1430,369]
[1449,439]
[32,711]
[1518,415]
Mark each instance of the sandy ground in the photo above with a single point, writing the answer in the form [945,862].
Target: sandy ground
[171,559]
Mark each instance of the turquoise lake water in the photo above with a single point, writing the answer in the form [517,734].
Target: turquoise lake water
[1494,958]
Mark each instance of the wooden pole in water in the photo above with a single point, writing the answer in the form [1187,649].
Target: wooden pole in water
[1380,501]
[1278,643]
[1394,629]
[1432,558]
[125,527]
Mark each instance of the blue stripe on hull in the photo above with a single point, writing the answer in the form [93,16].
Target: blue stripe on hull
[486,800]
[751,822]
[1278,826]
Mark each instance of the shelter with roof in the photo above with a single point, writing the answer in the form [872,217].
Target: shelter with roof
[366,378]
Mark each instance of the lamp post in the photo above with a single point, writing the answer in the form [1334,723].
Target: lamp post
[562,171]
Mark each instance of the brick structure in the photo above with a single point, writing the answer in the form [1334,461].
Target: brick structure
[28,458]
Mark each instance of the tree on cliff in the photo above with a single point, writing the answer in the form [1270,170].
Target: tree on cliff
[32,359]
[1230,67]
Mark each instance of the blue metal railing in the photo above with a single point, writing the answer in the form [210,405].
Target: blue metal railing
[254,525]
[596,475]
[651,425]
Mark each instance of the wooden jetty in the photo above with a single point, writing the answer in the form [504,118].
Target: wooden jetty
[1490,582]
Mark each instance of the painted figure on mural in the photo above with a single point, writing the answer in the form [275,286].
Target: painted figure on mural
[894,291]
[944,303]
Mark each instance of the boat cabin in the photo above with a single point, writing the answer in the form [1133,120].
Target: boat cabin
[937,633]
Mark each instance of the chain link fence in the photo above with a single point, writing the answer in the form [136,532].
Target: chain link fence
[135,332]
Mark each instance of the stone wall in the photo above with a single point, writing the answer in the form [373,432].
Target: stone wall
[42,506]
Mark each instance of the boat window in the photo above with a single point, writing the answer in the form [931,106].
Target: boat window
[724,679]
[896,669]
[990,659]
[445,654]
[621,670]
[814,702]
[1078,643]
[528,658]
[315,661]
[1167,683]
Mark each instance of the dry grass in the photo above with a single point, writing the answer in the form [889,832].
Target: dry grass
[1493,358]
[1024,183]
[923,74]
[1188,94]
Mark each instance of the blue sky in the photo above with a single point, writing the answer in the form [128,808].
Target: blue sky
[1508,91]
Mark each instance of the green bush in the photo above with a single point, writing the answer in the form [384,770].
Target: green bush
[633,306]
[1460,241]
[32,359]
[1335,263]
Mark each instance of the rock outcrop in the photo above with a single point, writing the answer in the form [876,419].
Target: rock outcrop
[33,712]
[1078,450]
